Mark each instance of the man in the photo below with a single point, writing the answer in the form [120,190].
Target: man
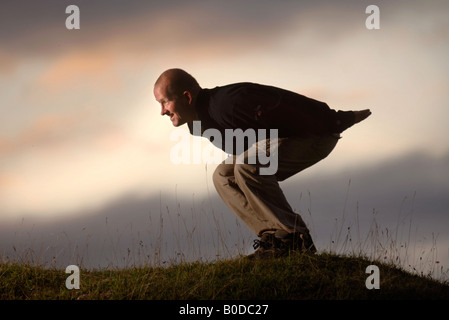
[307,131]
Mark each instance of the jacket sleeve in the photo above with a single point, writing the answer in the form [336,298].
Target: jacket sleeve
[341,120]
[295,114]
[249,105]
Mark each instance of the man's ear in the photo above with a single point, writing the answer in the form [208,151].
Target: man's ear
[187,95]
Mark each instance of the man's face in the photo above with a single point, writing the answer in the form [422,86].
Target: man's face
[177,108]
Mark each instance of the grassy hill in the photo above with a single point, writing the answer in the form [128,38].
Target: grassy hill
[317,277]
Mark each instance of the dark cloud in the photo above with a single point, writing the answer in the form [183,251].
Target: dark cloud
[415,186]
[37,28]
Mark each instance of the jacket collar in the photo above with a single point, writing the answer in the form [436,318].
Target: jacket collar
[201,109]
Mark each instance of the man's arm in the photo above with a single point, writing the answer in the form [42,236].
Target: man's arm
[361,115]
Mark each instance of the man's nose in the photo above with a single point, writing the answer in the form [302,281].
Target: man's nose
[163,111]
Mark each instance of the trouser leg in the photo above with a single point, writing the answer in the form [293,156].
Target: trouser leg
[258,199]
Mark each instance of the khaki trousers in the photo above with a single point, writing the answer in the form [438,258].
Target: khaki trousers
[258,199]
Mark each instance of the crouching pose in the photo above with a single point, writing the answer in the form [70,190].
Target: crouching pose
[297,133]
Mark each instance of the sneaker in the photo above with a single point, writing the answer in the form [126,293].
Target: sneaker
[281,244]
[268,246]
[299,242]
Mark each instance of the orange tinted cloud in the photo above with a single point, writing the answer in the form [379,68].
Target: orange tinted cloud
[81,67]
[7,63]
[48,129]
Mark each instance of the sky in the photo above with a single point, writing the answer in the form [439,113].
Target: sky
[81,134]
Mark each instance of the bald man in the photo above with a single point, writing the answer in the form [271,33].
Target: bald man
[306,131]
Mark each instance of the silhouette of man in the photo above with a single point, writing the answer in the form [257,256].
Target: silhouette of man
[307,131]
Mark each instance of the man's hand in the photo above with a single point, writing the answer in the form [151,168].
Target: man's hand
[361,115]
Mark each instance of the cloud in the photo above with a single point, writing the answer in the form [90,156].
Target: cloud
[8,63]
[45,130]
[73,159]
[77,68]
[36,30]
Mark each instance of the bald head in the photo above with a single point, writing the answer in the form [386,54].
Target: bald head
[176,91]
[176,82]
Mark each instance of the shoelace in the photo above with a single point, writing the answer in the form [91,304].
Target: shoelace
[259,243]
[266,243]
[256,244]
[299,244]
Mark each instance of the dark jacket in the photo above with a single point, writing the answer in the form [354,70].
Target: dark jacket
[254,106]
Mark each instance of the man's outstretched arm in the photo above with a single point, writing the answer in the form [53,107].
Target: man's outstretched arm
[361,115]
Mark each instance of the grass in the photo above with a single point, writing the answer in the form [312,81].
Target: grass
[339,273]
[297,277]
